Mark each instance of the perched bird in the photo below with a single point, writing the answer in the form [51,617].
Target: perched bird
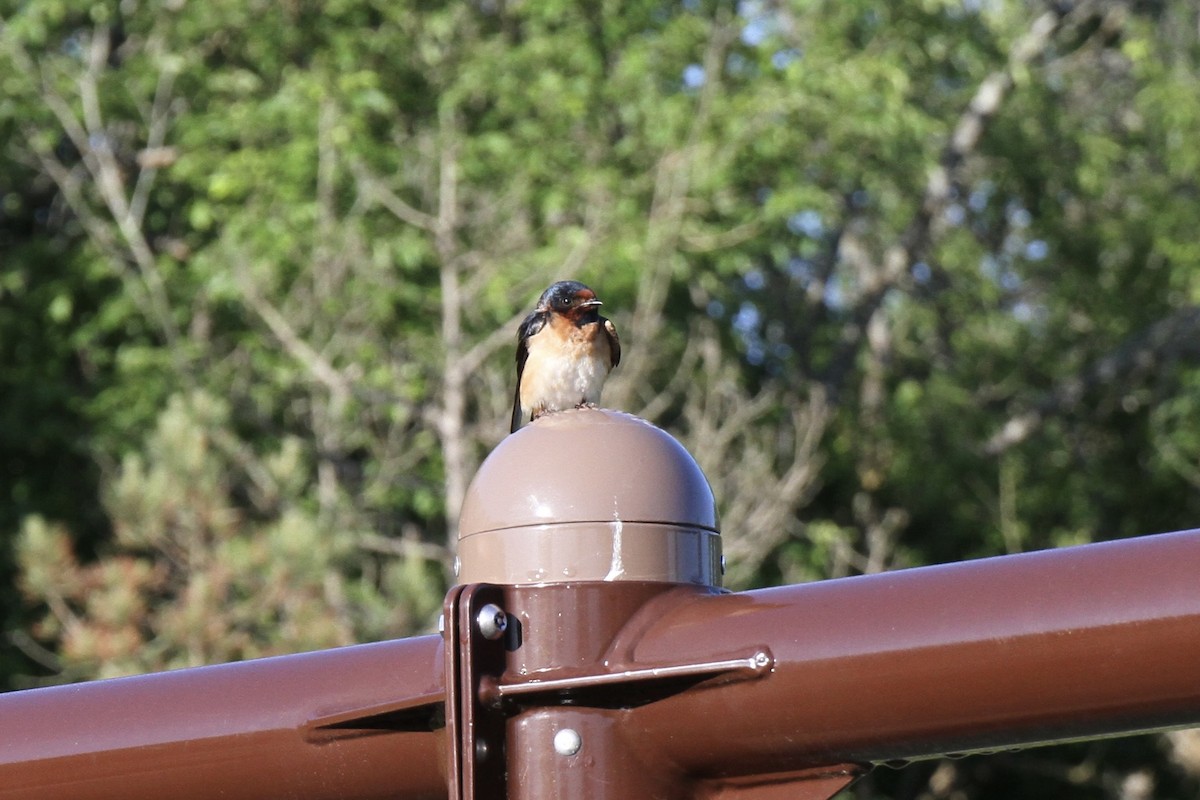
[565,350]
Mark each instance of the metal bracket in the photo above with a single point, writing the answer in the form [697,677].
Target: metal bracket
[475,649]
[632,686]
[483,699]
[419,713]
[818,783]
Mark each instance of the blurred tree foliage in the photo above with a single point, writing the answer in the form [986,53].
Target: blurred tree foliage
[915,282]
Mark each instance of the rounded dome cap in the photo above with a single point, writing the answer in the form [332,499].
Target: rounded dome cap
[589,494]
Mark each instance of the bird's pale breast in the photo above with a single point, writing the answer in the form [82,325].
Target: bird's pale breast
[566,367]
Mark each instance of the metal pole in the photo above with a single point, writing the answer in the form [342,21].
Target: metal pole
[662,687]
[355,723]
[1005,652]
[591,656]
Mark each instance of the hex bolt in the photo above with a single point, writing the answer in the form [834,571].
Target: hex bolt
[492,621]
[567,742]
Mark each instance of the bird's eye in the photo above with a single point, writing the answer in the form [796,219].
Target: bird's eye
[564,302]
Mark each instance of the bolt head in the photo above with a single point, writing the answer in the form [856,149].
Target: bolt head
[492,621]
[567,742]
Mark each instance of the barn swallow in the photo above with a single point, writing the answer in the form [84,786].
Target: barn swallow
[565,350]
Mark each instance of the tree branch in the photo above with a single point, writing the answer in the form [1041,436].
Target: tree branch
[378,192]
[316,364]
[1140,357]
[915,241]
[102,162]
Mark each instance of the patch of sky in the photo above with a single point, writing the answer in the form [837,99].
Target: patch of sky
[72,46]
[781,351]
[738,64]
[1010,280]
[754,280]
[954,214]
[756,354]
[693,76]
[747,324]
[781,59]
[760,22]
[755,32]
[1018,215]
[999,271]
[747,319]
[921,272]
[978,200]
[806,223]
[989,266]
[800,270]
[1027,313]
[834,298]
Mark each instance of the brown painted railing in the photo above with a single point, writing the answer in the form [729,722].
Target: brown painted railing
[660,686]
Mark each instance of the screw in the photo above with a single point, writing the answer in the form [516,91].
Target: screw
[492,621]
[761,660]
[567,742]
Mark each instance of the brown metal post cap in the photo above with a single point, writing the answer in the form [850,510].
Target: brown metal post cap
[589,495]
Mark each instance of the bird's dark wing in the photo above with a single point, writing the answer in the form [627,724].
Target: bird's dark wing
[516,417]
[532,324]
[614,341]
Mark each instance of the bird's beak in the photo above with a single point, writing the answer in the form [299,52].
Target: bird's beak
[590,303]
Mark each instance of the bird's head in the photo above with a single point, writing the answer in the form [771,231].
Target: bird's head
[570,298]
